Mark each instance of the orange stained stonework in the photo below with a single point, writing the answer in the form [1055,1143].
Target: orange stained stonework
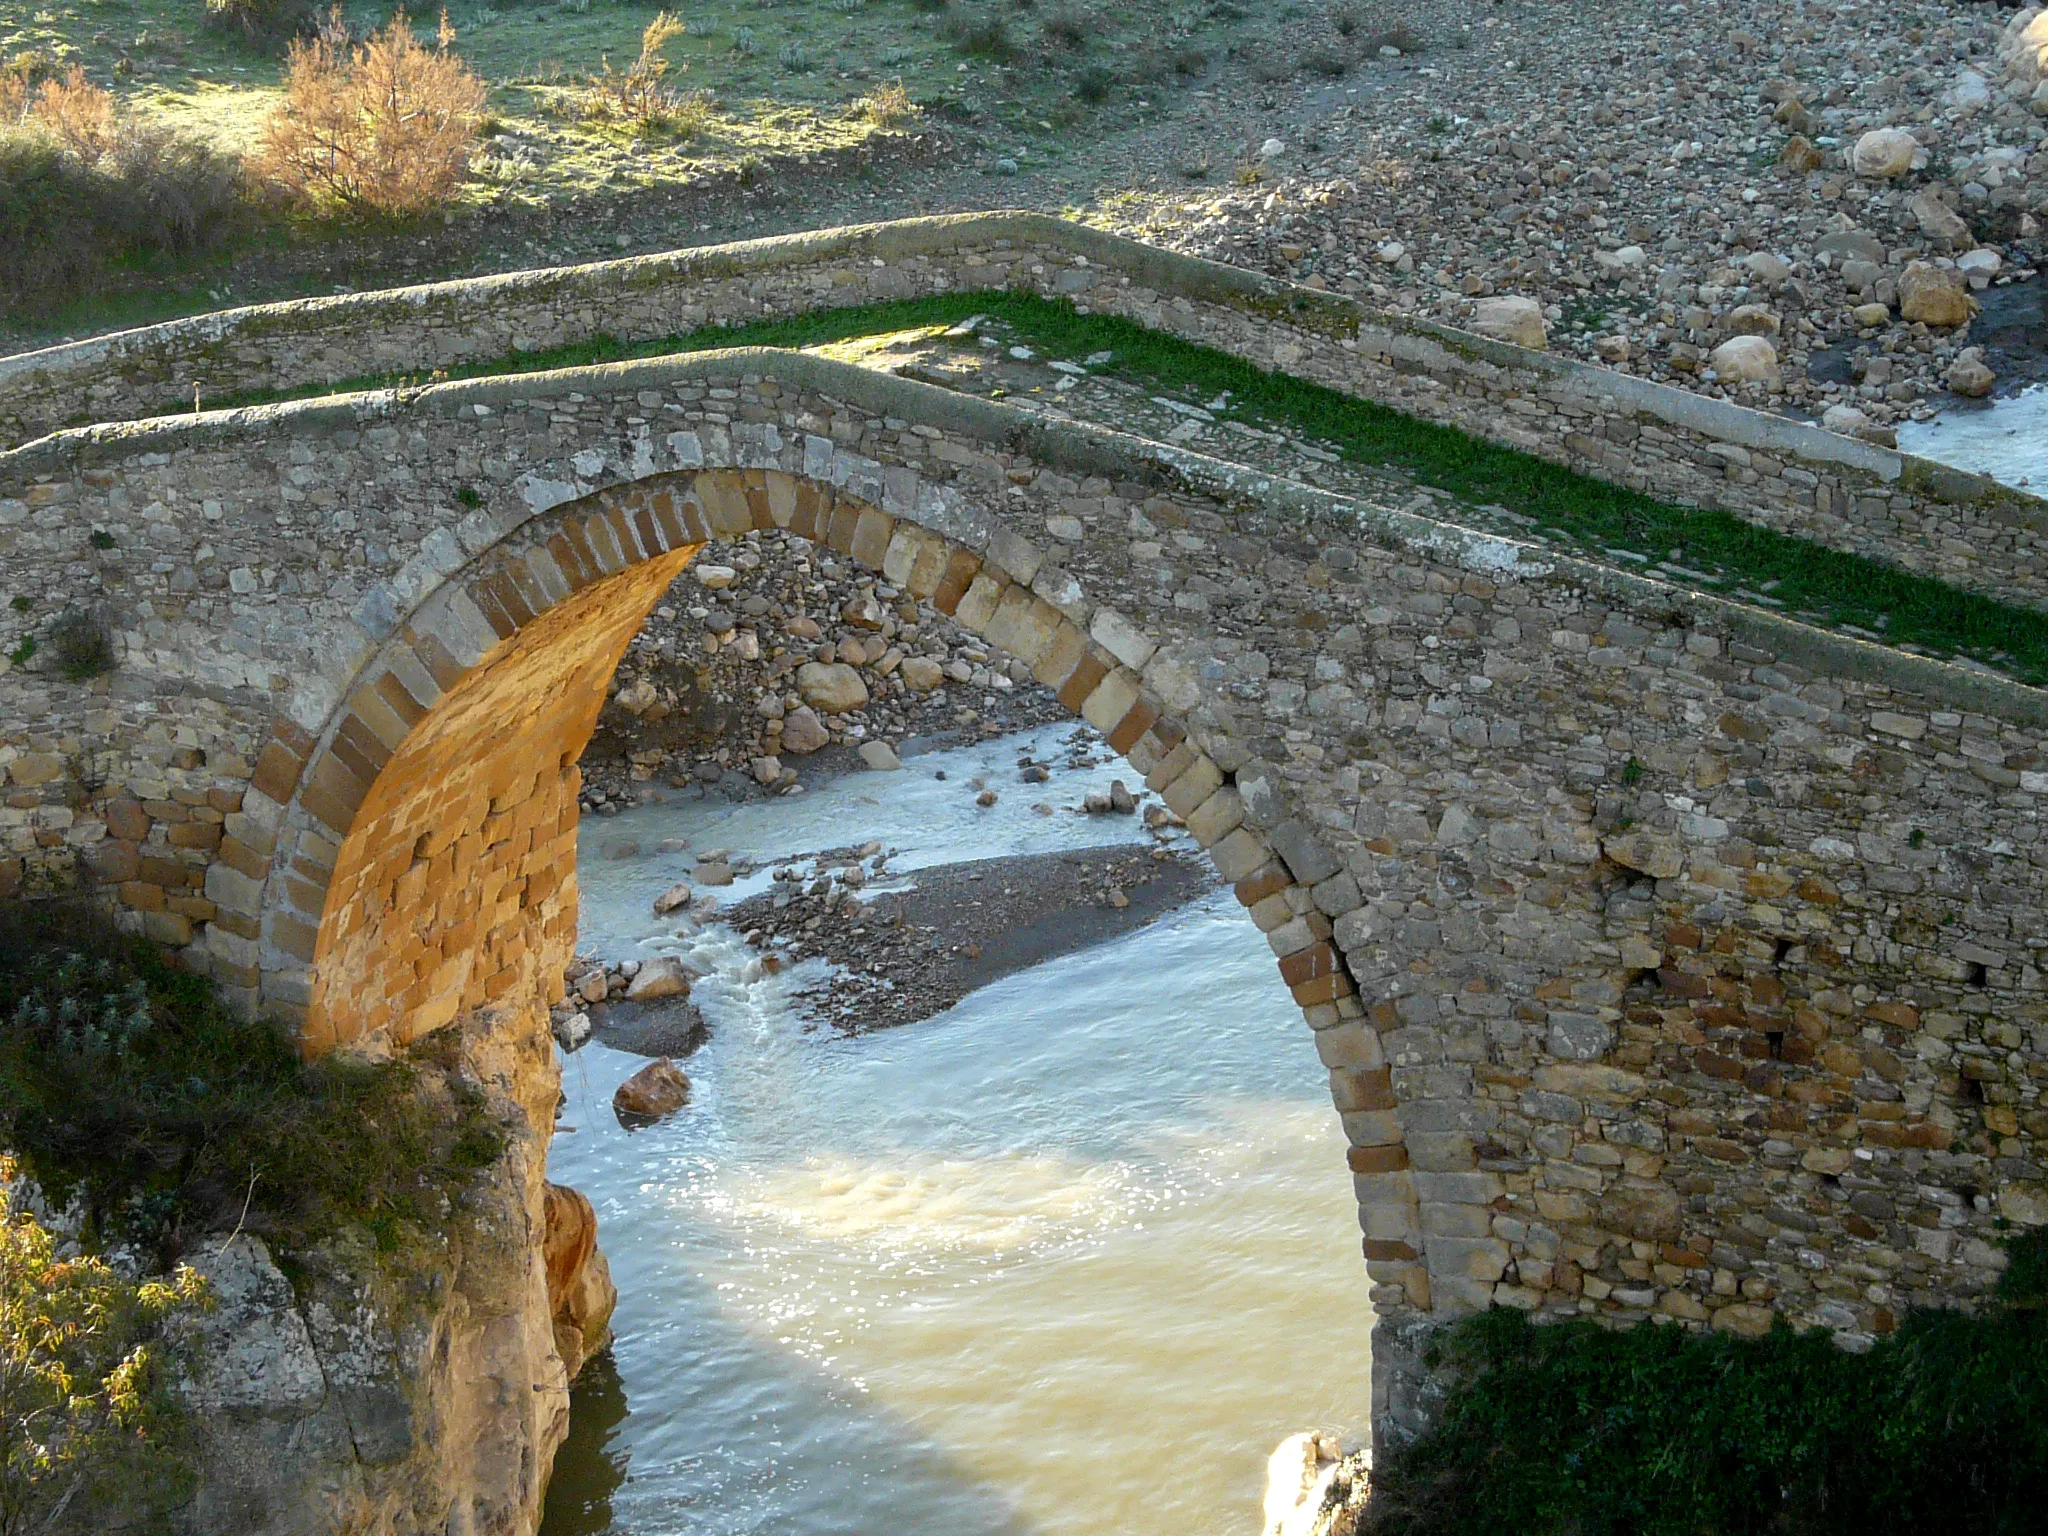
[456,885]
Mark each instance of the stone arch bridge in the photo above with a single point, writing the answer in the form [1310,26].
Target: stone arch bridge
[1666,957]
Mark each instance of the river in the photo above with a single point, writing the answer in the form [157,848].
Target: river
[1070,1257]
[2006,439]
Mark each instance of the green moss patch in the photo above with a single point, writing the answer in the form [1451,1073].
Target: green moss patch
[1692,547]
[127,1084]
[1571,1429]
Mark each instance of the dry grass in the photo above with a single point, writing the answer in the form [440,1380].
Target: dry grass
[887,105]
[385,127]
[640,96]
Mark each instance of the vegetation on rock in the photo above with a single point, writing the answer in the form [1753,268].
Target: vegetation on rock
[127,1086]
[86,1414]
[1574,1428]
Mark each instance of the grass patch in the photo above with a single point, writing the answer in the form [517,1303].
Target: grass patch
[1571,1429]
[127,1084]
[1822,585]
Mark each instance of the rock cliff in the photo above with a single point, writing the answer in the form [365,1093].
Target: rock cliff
[392,1393]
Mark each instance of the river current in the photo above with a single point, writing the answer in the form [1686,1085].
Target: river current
[1070,1257]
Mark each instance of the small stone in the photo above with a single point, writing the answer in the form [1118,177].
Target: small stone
[1612,349]
[985,799]
[803,732]
[1271,148]
[653,1093]
[1936,218]
[879,756]
[766,770]
[1982,262]
[1934,295]
[1969,375]
[1884,154]
[1005,166]
[1845,419]
[921,674]
[1745,359]
[1752,320]
[1870,315]
[716,577]
[663,976]
[1117,898]
[1769,269]
[830,686]
[715,872]
[1511,319]
[1800,154]
[1120,800]
[677,895]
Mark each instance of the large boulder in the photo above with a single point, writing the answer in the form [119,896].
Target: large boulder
[1511,319]
[1745,360]
[830,686]
[653,1093]
[1884,154]
[581,1295]
[1934,295]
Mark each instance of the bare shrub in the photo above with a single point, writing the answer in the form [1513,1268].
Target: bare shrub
[385,127]
[640,95]
[84,186]
[887,105]
[261,19]
[1067,30]
[984,36]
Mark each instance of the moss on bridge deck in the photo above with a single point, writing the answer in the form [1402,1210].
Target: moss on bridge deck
[1702,549]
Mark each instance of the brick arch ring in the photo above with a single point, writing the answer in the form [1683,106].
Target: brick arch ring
[425,863]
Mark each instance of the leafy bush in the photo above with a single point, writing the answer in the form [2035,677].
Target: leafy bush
[386,127]
[127,1084]
[1570,1429]
[85,188]
[85,1407]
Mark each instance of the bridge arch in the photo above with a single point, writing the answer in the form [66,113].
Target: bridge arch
[426,863]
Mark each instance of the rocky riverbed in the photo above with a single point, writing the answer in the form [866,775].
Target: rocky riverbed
[1799,205]
[772,661]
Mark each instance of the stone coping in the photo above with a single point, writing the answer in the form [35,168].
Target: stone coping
[1087,449]
[1168,272]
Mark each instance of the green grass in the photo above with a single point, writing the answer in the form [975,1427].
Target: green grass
[127,1083]
[1591,516]
[1571,1429]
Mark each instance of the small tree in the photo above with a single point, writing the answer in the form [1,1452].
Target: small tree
[85,1410]
[386,127]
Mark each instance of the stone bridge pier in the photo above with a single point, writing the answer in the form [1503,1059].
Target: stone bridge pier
[1666,958]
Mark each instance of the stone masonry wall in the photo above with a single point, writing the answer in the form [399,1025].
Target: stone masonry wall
[1665,958]
[1680,446]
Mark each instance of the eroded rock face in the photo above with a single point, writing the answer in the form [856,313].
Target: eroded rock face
[580,1289]
[414,1394]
